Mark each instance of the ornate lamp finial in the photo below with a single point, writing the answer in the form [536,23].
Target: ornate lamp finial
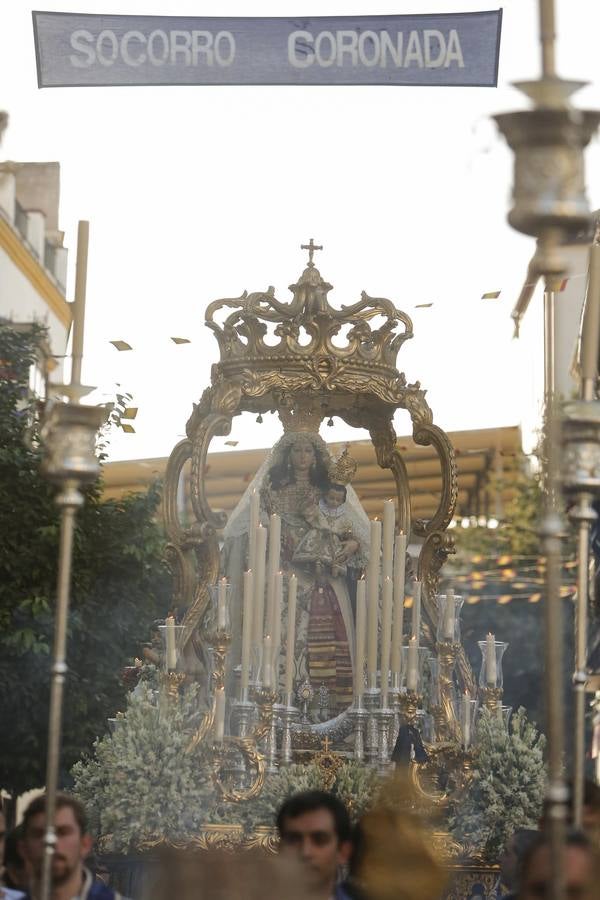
[343,469]
[311,247]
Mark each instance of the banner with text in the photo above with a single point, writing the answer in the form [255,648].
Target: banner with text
[459,49]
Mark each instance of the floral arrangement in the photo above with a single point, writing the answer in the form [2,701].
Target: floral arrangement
[507,786]
[141,786]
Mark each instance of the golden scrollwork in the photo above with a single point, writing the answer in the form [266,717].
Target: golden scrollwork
[247,748]
[262,838]
[220,837]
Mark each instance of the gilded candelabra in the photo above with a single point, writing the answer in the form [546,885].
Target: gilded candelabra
[410,703]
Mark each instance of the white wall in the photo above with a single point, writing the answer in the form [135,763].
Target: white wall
[20,302]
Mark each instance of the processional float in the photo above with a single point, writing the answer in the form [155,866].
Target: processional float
[307,377]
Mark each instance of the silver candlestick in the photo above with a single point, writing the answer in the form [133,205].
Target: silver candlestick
[385,719]
[289,714]
[359,715]
[371,697]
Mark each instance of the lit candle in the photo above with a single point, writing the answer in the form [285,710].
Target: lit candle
[491,672]
[259,585]
[246,634]
[254,520]
[171,650]
[272,569]
[219,714]
[416,612]
[267,662]
[361,628]
[449,616]
[389,525]
[412,668]
[386,638]
[373,602]
[276,632]
[291,638]
[222,605]
[465,720]
[399,575]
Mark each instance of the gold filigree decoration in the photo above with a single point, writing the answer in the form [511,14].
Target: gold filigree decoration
[223,757]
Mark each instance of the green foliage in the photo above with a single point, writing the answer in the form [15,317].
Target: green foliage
[141,785]
[119,586]
[507,788]
[518,532]
[355,784]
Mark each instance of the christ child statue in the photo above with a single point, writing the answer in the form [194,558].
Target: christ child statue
[330,542]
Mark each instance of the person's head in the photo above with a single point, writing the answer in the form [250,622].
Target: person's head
[512,856]
[334,495]
[297,456]
[15,872]
[580,867]
[315,826]
[73,843]
[302,455]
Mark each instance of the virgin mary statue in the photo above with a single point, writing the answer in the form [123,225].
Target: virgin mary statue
[324,542]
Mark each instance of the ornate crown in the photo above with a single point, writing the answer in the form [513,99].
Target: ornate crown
[359,370]
[343,469]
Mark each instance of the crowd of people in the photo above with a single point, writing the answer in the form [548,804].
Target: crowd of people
[322,856]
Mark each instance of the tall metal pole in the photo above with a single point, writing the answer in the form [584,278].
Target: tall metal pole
[584,420]
[69,500]
[552,208]
[69,435]
[549,349]
[547,38]
[551,532]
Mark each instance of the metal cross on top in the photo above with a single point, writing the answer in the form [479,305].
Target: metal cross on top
[311,247]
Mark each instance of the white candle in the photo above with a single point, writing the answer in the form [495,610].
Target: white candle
[449,616]
[399,575]
[246,634]
[386,638]
[267,662]
[291,636]
[416,612]
[491,672]
[259,585]
[219,714]
[465,720]
[412,668]
[272,568]
[171,650]
[254,520]
[222,605]
[361,628]
[389,525]
[277,626]
[373,602]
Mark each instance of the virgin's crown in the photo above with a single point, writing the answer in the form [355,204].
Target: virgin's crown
[361,365]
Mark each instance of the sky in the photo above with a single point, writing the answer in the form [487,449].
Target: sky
[197,193]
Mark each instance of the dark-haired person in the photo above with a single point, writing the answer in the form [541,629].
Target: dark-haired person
[315,826]
[70,878]
[14,876]
[511,860]
[8,891]
[580,869]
